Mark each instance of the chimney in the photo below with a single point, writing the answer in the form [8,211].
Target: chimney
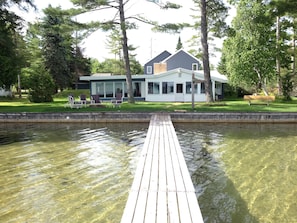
[160,68]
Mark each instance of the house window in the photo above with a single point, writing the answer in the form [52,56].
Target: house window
[125,90]
[167,88]
[202,89]
[179,88]
[195,66]
[136,89]
[149,69]
[153,87]
[109,89]
[118,87]
[189,88]
[98,88]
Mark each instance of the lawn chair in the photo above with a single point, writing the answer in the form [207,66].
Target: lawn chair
[83,99]
[72,103]
[118,100]
[95,99]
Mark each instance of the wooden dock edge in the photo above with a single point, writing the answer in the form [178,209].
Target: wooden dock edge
[162,190]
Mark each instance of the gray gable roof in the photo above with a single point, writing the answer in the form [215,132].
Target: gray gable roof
[181,59]
[180,53]
[156,59]
[162,56]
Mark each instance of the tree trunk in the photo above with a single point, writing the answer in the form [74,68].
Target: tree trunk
[208,84]
[262,82]
[277,56]
[126,54]
[294,48]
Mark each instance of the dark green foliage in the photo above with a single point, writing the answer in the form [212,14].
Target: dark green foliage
[8,60]
[179,44]
[136,67]
[281,7]
[217,12]
[171,27]
[170,5]
[261,38]
[248,56]
[60,46]
[11,57]
[287,86]
[56,47]
[115,66]
[42,87]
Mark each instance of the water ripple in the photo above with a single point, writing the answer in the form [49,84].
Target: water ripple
[242,173]
[68,173]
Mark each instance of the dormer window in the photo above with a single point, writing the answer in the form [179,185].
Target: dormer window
[195,66]
[149,69]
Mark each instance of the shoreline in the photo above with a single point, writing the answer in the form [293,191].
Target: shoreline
[129,117]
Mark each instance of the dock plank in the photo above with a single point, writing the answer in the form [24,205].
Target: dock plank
[162,190]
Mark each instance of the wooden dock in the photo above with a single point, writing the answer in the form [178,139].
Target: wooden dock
[162,190]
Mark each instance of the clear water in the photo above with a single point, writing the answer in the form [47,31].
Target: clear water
[83,172]
[67,173]
[243,172]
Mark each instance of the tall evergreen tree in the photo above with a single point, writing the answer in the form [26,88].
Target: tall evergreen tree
[179,44]
[114,43]
[120,21]
[55,47]
[10,41]
[284,13]
[61,37]
[212,16]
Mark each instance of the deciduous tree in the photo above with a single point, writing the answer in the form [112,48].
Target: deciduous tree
[249,52]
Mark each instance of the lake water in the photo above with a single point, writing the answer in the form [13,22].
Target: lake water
[243,172]
[83,172]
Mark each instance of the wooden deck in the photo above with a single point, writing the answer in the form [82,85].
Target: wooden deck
[162,190]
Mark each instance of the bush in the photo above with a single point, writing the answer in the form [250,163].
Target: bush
[42,87]
[287,86]
[232,91]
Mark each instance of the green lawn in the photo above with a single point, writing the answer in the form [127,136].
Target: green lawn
[235,105]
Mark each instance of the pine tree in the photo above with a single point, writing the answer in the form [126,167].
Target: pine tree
[179,44]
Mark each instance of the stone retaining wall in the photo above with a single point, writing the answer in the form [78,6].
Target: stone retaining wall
[145,117]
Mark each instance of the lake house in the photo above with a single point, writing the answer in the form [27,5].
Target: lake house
[169,79]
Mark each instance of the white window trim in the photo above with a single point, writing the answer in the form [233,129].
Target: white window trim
[149,69]
[195,66]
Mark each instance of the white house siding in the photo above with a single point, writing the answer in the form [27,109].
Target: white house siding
[174,79]
[177,77]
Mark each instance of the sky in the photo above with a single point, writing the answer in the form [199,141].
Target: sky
[149,44]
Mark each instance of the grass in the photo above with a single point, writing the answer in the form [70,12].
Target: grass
[231,105]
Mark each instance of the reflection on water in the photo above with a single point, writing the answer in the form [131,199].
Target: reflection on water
[243,173]
[83,172]
[67,173]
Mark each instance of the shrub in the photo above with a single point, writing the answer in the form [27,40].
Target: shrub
[287,86]
[42,87]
